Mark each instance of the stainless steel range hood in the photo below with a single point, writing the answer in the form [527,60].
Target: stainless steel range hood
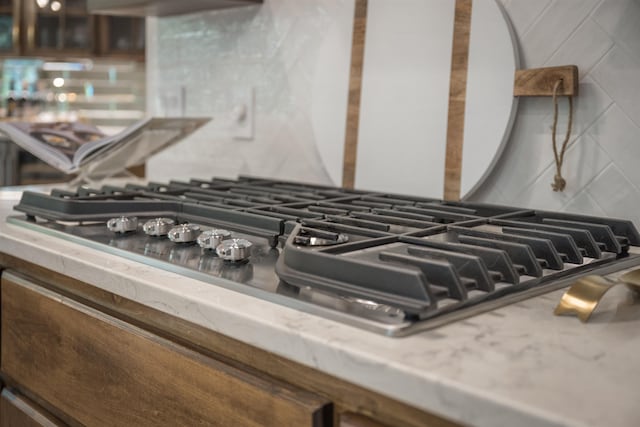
[161,7]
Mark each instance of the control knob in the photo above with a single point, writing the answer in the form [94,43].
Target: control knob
[184,233]
[123,224]
[210,239]
[158,226]
[234,250]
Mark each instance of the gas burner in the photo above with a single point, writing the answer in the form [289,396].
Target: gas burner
[158,226]
[184,233]
[234,250]
[210,239]
[123,224]
[304,238]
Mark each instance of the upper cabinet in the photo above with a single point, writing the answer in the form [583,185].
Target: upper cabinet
[63,28]
[120,36]
[58,26]
[162,7]
[10,13]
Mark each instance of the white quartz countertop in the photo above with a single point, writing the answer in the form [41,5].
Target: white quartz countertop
[515,366]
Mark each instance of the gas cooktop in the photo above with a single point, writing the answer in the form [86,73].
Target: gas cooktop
[389,263]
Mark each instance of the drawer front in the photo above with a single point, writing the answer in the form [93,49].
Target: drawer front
[349,419]
[17,411]
[102,371]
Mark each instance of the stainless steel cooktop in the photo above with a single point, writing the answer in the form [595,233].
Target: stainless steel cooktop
[392,264]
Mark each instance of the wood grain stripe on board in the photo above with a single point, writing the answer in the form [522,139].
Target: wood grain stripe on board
[457,99]
[355,89]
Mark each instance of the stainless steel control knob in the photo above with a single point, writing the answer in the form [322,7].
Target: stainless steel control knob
[234,250]
[210,239]
[123,224]
[184,233]
[158,226]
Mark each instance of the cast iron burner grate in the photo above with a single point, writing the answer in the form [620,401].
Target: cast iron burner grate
[399,263]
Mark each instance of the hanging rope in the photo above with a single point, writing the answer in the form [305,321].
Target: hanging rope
[559,182]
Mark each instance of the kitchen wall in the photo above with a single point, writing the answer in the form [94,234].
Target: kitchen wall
[602,37]
[217,56]
[214,57]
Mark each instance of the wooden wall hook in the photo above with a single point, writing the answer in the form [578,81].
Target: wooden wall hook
[540,81]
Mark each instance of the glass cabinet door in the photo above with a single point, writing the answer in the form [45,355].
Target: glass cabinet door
[9,26]
[64,28]
[57,26]
[121,36]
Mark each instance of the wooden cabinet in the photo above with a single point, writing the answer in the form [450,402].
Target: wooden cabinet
[90,357]
[64,28]
[58,26]
[120,36]
[100,371]
[349,419]
[18,411]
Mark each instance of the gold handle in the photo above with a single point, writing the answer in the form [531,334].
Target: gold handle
[582,298]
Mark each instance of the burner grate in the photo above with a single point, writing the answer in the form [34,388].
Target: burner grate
[420,257]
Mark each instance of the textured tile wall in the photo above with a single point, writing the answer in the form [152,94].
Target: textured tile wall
[214,58]
[603,39]
[274,47]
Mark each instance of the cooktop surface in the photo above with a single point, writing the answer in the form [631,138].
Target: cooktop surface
[389,263]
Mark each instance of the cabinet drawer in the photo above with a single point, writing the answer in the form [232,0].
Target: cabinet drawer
[17,411]
[349,419]
[102,371]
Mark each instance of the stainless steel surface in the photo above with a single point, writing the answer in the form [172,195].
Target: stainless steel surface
[123,224]
[184,233]
[158,226]
[257,278]
[210,239]
[234,250]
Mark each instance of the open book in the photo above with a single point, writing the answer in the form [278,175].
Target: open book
[84,149]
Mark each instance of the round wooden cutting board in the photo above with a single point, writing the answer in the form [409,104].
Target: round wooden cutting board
[402,135]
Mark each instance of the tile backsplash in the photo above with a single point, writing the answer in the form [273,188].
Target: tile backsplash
[215,57]
[210,60]
[603,39]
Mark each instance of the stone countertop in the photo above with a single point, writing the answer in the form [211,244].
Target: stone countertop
[516,365]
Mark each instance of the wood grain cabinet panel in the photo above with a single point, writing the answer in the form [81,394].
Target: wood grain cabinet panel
[17,411]
[101,371]
[349,419]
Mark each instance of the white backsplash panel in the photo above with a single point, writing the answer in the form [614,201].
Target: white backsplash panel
[207,61]
[213,58]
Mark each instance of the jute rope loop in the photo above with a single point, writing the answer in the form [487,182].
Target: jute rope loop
[559,183]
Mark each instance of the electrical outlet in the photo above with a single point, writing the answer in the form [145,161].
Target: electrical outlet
[243,116]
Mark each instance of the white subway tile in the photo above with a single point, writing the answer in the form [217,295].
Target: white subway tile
[523,13]
[584,204]
[583,48]
[588,106]
[621,19]
[620,138]
[552,29]
[619,74]
[489,191]
[583,161]
[616,195]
